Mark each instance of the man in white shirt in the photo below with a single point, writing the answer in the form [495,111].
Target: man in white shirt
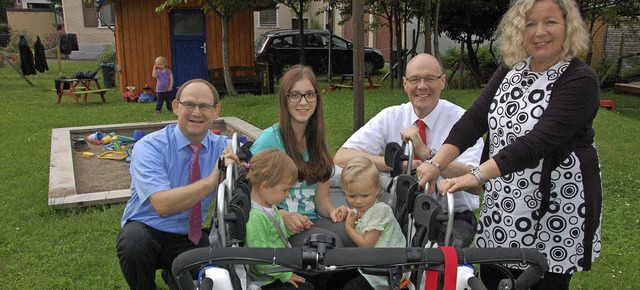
[424,81]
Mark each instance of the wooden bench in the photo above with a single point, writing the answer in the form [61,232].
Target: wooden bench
[79,87]
[246,79]
[633,88]
[346,81]
[97,91]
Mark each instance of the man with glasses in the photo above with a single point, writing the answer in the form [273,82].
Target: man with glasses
[425,120]
[174,175]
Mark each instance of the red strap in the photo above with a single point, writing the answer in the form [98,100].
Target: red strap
[450,271]
[431,280]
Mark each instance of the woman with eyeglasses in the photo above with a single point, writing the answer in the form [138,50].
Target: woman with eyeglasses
[301,133]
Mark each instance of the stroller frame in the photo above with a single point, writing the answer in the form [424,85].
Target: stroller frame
[319,256]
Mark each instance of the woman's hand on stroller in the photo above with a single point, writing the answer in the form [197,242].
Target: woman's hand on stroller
[296,278]
[463,182]
[339,214]
[295,222]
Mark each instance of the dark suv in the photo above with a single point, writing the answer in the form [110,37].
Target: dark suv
[281,49]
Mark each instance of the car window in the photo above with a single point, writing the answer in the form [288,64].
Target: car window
[283,42]
[339,43]
[260,43]
[314,40]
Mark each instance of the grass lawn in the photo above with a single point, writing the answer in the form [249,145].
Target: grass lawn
[75,249]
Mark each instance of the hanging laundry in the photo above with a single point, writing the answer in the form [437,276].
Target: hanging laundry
[40,57]
[68,43]
[26,57]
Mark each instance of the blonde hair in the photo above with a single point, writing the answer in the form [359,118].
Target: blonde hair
[510,32]
[272,166]
[357,169]
[161,59]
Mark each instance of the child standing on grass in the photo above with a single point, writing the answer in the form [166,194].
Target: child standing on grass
[369,223]
[164,84]
[271,173]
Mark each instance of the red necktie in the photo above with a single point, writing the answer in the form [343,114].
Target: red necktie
[423,135]
[195,216]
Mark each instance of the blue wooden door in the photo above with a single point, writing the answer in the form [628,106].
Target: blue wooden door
[188,45]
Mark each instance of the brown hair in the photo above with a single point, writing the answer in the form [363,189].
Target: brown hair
[216,96]
[320,165]
[359,168]
[272,166]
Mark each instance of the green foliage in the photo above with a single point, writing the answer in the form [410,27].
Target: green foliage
[487,61]
[108,55]
[631,74]
[5,34]
[75,248]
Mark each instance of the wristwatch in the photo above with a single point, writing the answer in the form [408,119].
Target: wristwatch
[433,153]
[476,172]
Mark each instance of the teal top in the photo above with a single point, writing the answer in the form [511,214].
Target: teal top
[301,196]
[380,217]
[261,233]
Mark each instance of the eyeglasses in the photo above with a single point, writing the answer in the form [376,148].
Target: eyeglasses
[189,106]
[310,96]
[427,79]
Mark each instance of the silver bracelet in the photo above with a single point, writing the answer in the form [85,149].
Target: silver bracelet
[435,164]
[433,153]
[476,172]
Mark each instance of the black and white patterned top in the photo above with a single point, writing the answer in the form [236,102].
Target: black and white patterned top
[540,135]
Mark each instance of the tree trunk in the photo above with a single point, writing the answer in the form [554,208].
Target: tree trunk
[590,50]
[301,27]
[427,26]
[399,47]
[436,31]
[392,64]
[231,90]
[474,64]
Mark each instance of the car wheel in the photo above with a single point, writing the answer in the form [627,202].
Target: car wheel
[369,68]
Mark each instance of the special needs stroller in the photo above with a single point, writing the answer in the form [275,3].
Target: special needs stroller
[223,264]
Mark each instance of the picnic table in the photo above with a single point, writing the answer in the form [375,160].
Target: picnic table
[79,87]
[346,81]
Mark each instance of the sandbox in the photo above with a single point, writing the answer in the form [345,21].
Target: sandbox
[77,181]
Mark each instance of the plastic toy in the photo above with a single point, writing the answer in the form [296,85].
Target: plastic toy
[147,95]
[95,136]
[106,139]
[137,135]
[130,95]
[113,155]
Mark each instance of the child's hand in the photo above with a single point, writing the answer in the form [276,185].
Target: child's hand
[351,218]
[296,278]
[307,223]
[295,222]
[339,214]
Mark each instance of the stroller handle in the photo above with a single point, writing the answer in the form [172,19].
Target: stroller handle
[309,259]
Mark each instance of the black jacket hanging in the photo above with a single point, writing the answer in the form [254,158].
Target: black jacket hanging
[68,43]
[40,57]
[26,57]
